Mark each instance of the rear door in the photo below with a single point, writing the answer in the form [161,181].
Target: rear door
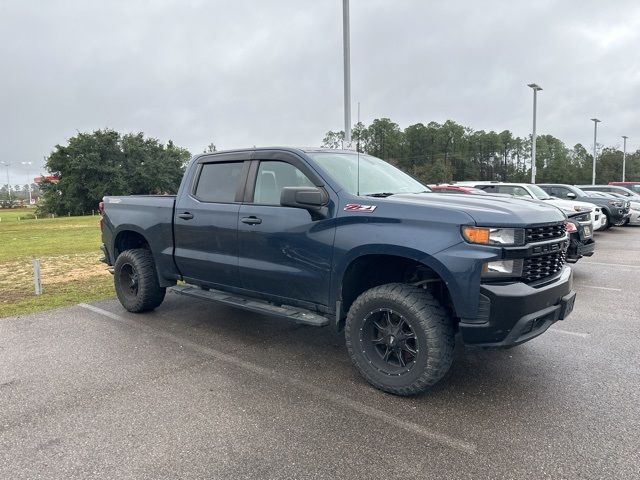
[206,220]
[284,253]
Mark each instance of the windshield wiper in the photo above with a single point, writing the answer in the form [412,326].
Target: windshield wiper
[380,194]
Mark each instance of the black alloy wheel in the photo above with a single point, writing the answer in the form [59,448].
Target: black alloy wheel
[389,341]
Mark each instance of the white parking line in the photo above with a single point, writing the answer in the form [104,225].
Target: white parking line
[567,332]
[441,438]
[599,288]
[611,264]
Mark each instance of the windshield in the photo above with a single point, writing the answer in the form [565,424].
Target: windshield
[539,193]
[635,188]
[376,176]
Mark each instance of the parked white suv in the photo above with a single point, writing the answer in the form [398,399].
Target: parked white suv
[529,190]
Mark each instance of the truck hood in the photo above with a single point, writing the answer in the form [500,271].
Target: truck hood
[487,210]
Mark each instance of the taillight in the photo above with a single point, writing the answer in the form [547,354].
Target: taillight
[101,210]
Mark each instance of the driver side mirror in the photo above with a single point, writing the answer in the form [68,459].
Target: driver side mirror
[308,198]
[571,195]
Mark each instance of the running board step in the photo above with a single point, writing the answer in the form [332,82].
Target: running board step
[299,315]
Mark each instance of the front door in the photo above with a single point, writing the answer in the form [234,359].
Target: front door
[283,252]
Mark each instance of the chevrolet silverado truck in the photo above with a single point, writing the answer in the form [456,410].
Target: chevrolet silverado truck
[334,237]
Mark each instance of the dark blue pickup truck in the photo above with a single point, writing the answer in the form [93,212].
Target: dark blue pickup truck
[334,237]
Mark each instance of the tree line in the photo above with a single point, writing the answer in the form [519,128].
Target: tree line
[436,153]
[106,162]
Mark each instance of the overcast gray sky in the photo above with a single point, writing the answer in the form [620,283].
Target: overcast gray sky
[243,73]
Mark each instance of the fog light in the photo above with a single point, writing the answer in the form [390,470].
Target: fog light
[502,268]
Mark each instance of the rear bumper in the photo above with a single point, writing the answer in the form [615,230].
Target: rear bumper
[515,313]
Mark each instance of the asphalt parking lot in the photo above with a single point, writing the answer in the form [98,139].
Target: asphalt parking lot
[195,390]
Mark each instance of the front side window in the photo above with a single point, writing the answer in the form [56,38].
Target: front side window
[538,192]
[218,182]
[272,177]
[559,192]
[514,190]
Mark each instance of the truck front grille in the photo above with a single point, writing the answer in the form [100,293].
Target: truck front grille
[545,232]
[541,266]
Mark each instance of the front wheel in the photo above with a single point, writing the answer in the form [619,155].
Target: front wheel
[136,281]
[400,338]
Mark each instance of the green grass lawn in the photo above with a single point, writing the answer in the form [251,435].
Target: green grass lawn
[68,249]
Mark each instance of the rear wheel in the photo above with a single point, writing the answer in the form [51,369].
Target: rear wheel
[400,338]
[136,281]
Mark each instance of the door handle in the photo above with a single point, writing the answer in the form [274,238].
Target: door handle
[185,215]
[251,220]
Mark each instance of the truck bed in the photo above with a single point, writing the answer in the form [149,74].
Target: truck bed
[149,215]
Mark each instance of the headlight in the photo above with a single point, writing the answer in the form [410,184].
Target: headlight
[616,203]
[571,228]
[493,236]
[578,208]
[502,268]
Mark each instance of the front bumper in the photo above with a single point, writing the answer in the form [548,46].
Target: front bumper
[618,215]
[513,313]
[580,248]
[634,217]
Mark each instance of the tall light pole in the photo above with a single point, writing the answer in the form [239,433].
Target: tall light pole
[624,156]
[28,180]
[595,136]
[8,182]
[536,89]
[346,45]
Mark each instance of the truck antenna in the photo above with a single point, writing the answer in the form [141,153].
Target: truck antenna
[358,150]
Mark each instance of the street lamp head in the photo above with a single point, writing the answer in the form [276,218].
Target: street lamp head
[625,137]
[595,120]
[537,88]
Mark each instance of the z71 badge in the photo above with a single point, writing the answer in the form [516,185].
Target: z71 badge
[354,207]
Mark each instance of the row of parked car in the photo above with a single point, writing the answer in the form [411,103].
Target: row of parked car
[588,207]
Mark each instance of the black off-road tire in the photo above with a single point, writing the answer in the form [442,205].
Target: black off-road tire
[609,224]
[423,315]
[136,281]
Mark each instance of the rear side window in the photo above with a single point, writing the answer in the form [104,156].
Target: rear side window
[218,182]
